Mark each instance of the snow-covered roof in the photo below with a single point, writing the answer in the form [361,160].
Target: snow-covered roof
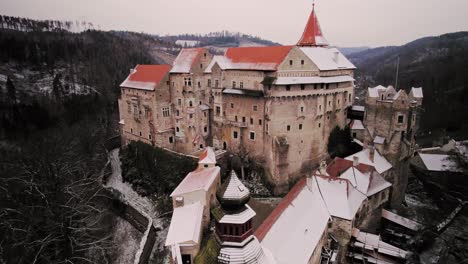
[226,64]
[362,177]
[239,218]
[327,59]
[341,199]
[408,223]
[208,156]
[439,162]
[185,60]
[374,243]
[234,190]
[250,251]
[380,164]
[356,125]
[293,230]
[312,79]
[417,92]
[200,179]
[146,77]
[204,107]
[379,140]
[185,225]
[358,108]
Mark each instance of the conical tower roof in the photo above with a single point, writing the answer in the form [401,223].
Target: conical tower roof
[312,35]
[233,192]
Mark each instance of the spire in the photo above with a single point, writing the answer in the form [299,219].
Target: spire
[233,192]
[312,35]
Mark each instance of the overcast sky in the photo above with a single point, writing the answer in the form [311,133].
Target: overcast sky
[344,22]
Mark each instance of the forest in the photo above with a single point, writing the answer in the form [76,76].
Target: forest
[438,64]
[52,145]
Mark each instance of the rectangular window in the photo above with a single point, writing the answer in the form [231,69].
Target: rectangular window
[179,101]
[241,84]
[255,108]
[232,105]
[252,135]
[216,83]
[129,108]
[234,134]
[288,87]
[188,81]
[204,113]
[233,84]
[302,62]
[302,109]
[205,129]
[251,121]
[322,85]
[260,122]
[288,127]
[177,112]
[290,63]
[243,119]
[302,86]
[166,111]
[190,116]
[199,84]
[300,126]
[218,111]
[400,119]
[171,140]
[209,83]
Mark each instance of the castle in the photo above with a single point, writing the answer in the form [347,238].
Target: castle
[276,105]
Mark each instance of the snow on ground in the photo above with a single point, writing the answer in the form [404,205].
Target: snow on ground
[142,203]
[126,240]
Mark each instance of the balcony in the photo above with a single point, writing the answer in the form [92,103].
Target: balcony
[236,124]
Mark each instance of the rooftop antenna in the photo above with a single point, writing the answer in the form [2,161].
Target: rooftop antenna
[397,71]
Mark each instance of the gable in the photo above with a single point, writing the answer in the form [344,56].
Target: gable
[296,55]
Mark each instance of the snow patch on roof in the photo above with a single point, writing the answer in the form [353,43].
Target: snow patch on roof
[439,162]
[146,77]
[185,225]
[208,156]
[201,179]
[380,164]
[185,60]
[327,58]
[250,251]
[417,92]
[379,140]
[314,79]
[296,232]
[342,200]
[356,125]
[239,218]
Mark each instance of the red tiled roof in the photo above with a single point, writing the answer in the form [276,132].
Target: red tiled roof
[339,165]
[312,31]
[261,232]
[144,76]
[273,54]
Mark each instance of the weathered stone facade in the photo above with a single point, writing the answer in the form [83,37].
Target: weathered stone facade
[391,121]
[276,105]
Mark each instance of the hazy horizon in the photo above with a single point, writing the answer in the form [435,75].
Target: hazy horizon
[344,23]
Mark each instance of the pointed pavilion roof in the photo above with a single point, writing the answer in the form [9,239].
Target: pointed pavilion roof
[312,35]
[233,192]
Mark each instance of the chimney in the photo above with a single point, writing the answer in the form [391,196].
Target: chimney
[336,56]
[371,153]
[355,161]
[179,201]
